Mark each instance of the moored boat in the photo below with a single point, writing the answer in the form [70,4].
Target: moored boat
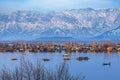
[66,56]
[45,59]
[118,49]
[13,58]
[82,58]
[79,49]
[109,49]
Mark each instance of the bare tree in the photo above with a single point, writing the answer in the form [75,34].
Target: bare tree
[29,71]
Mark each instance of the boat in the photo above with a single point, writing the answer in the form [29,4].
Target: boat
[82,58]
[91,49]
[66,56]
[35,50]
[105,64]
[30,50]
[85,50]
[109,49]
[118,49]
[13,58]
[73,49]
[21,50]
[45,59]
[79,49]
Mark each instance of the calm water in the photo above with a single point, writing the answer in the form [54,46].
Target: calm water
[92,69]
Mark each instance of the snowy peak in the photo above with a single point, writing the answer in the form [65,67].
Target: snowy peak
[76,23]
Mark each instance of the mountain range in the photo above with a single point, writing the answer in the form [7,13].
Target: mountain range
[79,24]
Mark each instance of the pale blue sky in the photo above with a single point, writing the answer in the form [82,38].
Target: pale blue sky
[56,5]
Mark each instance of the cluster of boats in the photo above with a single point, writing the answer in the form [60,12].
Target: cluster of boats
[58,47]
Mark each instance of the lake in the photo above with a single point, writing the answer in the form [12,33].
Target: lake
[92,69]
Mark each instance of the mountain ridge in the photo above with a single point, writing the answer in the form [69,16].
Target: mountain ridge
[77,23]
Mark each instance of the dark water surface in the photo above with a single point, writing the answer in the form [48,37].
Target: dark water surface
[92,69]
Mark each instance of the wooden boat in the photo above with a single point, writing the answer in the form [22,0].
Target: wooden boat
[105,64]
[59,49]
[11,50]
[82,58]
[109,49]
[96,49]
[21,50]
[2,49]
[30,49]
[118,49]
[101,49]
[67,49]
[51,49]
[91,49]
[42,49]
[13,58]
[73,49]
[35,50]
[45,59]
[79,50]
[66,56]
[85,50]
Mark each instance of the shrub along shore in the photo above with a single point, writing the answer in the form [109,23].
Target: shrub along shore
[28,71]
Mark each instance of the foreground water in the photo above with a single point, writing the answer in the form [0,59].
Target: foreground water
[92,69]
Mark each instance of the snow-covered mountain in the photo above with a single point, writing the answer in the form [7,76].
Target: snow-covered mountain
[75,23]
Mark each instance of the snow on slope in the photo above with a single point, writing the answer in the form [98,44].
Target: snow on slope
[76,23]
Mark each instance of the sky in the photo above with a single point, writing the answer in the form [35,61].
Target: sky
[56,5]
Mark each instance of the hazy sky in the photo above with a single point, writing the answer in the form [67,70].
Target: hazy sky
[56,5]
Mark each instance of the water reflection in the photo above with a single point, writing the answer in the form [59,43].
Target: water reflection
[96,66]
